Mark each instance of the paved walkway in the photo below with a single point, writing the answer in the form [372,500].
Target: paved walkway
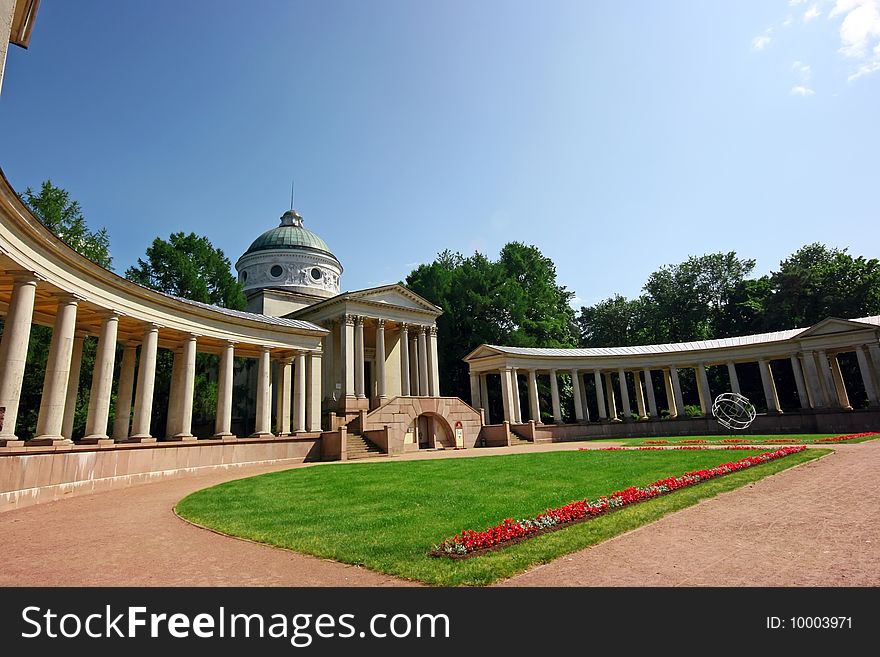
[818,524]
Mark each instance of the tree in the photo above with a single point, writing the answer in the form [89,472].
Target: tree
[616,321]
[53,207]
[189,266]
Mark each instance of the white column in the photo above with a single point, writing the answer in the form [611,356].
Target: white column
[671,406]
[610,401]
[624,395]
[404,360]
[676,392]
[484,394]
[867,379]
[734,379]
[769,387]
[172,418]
[534,403]
[640,395]
[313,412]
[814,387]
[827,379]
[13,352]
[225,377]
[143,400]
[73,385]
[600,394]
[585,406]
[517,404]
[122,419]
[839,385]
[433,362]
[705,392]
[299,394]
[187,387]
[346,336]
[102,380]
[328,371]
[554,397]
[380,360]
[475,390]
[506,394]
[652,399]
[51,418]
[578,397]
[414,363]
[359,384]
[285,386]
[262,426]
[803,398]
[874,359]
[424,386]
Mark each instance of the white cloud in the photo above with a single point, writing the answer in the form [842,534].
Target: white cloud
[803,71]
[788,20]
[811,13]
[859,34]
[760,42]
[801,90]
[795,3]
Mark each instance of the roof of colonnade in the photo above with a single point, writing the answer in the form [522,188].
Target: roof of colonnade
[832,332]
[28,246]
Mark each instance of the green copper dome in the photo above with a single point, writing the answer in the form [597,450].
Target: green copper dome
[289,235]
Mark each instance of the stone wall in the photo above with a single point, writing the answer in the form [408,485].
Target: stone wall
[400,412]
[32,475]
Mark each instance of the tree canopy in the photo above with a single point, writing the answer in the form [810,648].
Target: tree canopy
[189,266]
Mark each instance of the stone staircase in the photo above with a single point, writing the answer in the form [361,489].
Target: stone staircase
[518,440]
[359,447]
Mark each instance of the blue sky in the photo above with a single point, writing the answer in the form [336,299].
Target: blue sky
[616,137]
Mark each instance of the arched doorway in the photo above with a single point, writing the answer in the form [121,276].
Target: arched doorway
[433,432]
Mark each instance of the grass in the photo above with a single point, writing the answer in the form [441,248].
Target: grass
[796,439]
[387,516]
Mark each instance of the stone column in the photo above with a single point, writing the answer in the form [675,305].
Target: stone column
[600,394]
[585,406]
[73,385]
[51,418]
[672,407]
[839,385]
[262,426]
[534,402]
[814,387]
[143,400]
[705,392]
[380,360]
[874,359]
[285,385]
[867,379]
[359,383]
[414,363]
[484,394]
[434,362]
[640,395]
[225,378]
[13,352]
[424,385]
[328,367]
[187,387]
[172,418]
[346,336]
[827,379]
[404,360]
[506,394]
[799,382]
[676,392]
[652,399]
[624,395]
[475,390]
[102,380]
[517,404]
[122,421]
[769,387]
[578,398]
[554,397]
[609,396]
[313,412]
[734,379]
[299,394]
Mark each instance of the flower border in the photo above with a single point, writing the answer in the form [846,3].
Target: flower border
[470,542]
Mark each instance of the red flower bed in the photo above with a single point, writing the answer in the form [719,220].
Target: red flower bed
[840,439]
[470,541]
[782,441]
[694,442]
[656,442]
[692,447]
[734,441]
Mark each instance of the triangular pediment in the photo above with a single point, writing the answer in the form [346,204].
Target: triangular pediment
[483,351]
[833,325]
[394,295]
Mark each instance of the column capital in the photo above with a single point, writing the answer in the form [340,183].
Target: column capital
[380,323]
[432,329]
[404,327]
[24,276]
[66,297]
[348,319]
[359,320]
[265,349]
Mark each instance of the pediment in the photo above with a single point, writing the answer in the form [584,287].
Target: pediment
[833,325]
[394,295]
[483,351]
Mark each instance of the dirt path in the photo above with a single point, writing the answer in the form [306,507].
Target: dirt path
[813,525]
[818,524]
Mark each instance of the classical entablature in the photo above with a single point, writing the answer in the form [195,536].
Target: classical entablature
[44,281]
[811,353]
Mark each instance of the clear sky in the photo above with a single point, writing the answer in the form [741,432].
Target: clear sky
[616,137]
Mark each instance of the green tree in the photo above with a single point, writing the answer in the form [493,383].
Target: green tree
[189,266]
[54,208]
[616,321]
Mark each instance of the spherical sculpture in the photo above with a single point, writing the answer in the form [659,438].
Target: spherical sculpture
[733,411]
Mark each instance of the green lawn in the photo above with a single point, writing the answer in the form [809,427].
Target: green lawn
[387,515]
[795,438]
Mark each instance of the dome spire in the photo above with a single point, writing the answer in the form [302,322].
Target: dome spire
[292,218]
